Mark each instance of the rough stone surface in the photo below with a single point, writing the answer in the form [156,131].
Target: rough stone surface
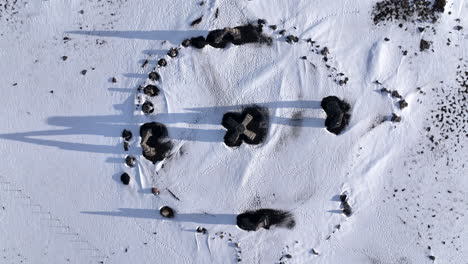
[155,142]
[337,114]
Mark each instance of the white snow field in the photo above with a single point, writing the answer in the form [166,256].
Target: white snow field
[61,197]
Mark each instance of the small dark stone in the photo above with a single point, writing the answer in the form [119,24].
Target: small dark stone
[125,178]
[147,107]
[15,84]
[386,39]
[151,90]
[186,43]
[81,12]
[384,90]
[162,63]
[51,91]
[155,191]
[288,256]
[402,104]
[458,28]
[130,161]
[347,209]
[431,257]
[292,39]
[282,32]
[173,52]
[113,80]
[261,22]
[126,146]
[395,94]
[424,45]
[343,197]
[127,135]
[64,58]
[273,27]
[154,76]
[395,118]
[83,72]
[167,212]
[201,230]
[145,62]
[325,51]
[196,21]
[421,29]
[304,57]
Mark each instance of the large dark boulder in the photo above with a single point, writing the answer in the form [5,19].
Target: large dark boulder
[198,42]
[155,141]
[249,126]
[151,90]
[265,218]
[147,107]
[337,114]
[220,38]
[167,212]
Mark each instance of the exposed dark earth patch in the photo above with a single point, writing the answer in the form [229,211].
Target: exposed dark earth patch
[155,141]
[265,218]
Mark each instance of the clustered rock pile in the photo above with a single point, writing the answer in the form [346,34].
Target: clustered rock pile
[220,38]
[415,11]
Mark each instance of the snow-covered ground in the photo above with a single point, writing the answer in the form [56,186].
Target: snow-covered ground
[61,198]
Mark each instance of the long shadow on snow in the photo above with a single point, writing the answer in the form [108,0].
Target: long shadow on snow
[173,36]
[112,125]
[224,219]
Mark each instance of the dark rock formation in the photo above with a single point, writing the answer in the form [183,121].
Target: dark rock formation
[198,42]
[167,212]
[125,178]
[151,90]
[201,230]
[127,135]
[130,161]
[173,52]
[395,118]
[154,76]
[220,38]
[147,107]
[196,21]
[186,43]
[337,114]
[155,141]
[249,126]
[424,45]
[292,39]
[162,63]
[265,218]
[402,104]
